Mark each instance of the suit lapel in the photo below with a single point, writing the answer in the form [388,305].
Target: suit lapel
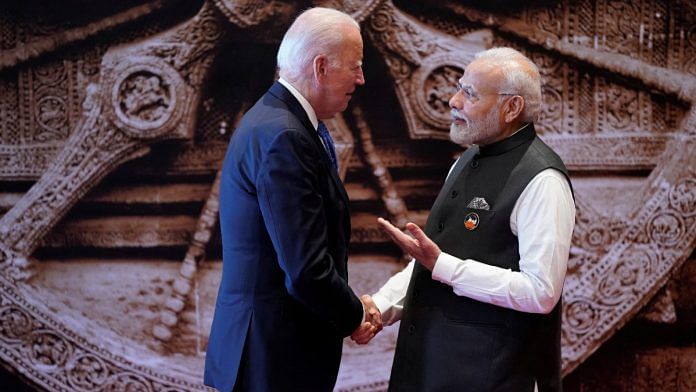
[282,93]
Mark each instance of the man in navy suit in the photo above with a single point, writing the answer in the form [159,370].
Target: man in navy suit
[284,303]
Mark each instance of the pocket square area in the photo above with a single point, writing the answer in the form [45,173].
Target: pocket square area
[479,203]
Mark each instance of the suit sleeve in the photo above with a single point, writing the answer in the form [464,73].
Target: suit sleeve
[293,211]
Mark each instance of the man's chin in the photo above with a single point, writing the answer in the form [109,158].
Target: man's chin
[460,134]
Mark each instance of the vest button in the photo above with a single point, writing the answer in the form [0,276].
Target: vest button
[474,164]
[411,329]
[454,193]
[440,227]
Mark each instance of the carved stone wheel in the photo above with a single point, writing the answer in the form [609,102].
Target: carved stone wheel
[110,145]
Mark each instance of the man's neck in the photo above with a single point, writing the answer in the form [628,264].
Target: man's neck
[519,127]
[513,129]
[303,99]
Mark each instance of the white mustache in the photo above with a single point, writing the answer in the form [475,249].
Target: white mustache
[458,116]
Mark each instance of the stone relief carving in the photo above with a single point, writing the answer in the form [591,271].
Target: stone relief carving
[620,33]
[358,9]
[143,99]
[148,99]
[151,91]
[56,358]
[425,64]
[393,203]
[169,316]
[638,263]
[432,87]
[45,128]
[148,92]
[247,13]
[36,40]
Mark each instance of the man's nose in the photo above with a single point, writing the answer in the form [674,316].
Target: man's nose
[360,79]
[456,102]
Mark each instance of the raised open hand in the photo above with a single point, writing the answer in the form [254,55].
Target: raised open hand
[418,245]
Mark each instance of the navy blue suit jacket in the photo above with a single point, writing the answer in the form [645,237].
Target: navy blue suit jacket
[284,304]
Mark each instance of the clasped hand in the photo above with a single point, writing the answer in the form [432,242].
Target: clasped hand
[419,246]
[372,323]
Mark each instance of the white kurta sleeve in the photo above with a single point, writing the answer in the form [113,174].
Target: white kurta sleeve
[390,298]
[543,220]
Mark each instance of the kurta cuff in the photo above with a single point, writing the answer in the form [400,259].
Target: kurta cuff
[382,303]
[444,268]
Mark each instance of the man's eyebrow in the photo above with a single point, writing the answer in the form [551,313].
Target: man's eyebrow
[466,87]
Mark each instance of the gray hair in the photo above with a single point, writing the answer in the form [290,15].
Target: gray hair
[520,76]
[316,31]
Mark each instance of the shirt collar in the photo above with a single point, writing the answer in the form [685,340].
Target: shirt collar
[303,101]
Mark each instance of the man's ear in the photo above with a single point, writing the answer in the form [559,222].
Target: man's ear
[320,67]
[514,108]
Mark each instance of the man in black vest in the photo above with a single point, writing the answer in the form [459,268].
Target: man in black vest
[480,307]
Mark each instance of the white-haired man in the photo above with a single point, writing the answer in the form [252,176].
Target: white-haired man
[284,304]
[480,307]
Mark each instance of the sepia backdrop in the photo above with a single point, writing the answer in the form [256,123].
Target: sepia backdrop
[115,116]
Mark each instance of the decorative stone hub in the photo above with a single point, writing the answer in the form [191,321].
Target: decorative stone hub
[433,85]
[144,98]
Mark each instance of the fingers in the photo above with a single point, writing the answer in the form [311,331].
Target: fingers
[372,324]
[372,313]
[428,251]
[406,243]
[364,333]
[389,228]
[417,233]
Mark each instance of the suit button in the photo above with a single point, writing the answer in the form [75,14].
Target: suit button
[474,164]
[440,227]
[411,329]
[454,193]
[415,293]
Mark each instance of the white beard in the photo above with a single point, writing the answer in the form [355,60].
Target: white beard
[475,132]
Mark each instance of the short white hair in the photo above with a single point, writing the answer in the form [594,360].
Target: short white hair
[316,31]
[520,76]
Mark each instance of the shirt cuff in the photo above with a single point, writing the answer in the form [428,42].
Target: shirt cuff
[444,268]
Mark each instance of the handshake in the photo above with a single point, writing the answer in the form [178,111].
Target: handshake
[372,323]
[418,246]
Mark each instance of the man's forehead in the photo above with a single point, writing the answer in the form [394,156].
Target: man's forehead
[465,79]
[479,73]
[464,82]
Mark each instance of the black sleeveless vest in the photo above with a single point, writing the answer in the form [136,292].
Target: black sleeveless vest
[452,343]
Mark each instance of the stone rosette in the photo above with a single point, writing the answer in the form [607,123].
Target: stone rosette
[145,97]
[432,86]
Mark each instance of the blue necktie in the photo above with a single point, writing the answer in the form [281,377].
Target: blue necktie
[328,144]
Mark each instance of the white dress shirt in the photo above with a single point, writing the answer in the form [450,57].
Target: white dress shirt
[303,101]
[543,219]
[305,105]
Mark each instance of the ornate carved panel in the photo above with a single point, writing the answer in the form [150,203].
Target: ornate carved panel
[143,106]
[424,65]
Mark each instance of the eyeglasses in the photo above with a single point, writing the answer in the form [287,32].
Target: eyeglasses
[471,95]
